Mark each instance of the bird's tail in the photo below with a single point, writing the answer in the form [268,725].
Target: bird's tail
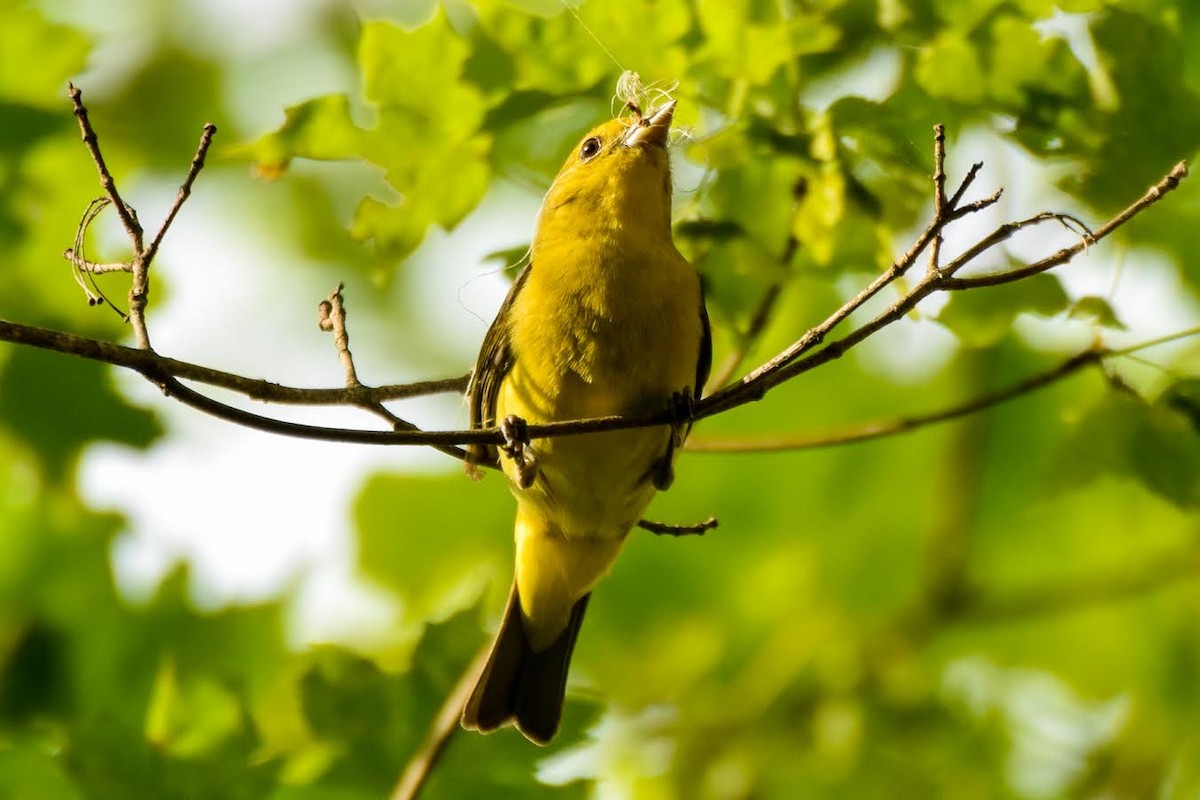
[520,685]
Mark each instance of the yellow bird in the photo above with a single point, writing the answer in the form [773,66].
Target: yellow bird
[608,318]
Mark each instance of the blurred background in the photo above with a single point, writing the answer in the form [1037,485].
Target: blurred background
[1001,606]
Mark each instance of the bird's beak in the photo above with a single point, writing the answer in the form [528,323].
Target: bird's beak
[653,128]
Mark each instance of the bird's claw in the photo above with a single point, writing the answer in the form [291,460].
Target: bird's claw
[516,446]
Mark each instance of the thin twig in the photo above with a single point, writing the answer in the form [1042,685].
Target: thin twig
[77,255]
[185,189]
[786,366]
[755,385]
[332,318]
[977,205]
[1170,337]
[266,391]
[139,265]
[793,361]
[1152,195]
[139,289]
[91,267]
[128,217]
[967,180]
[663,529]
[415,436]
[939,191]
[445,726]
[881,428]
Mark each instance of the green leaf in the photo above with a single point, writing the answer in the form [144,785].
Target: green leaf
[57,405]
[373,722]
[508,257]
[982,317]
[1018,59]
[435,541]
[419,71]
[1152,443]
[1146,62]
[747,47]
[427,137]
[1183,396]
[320,128]
[1097,311]
[27,39]
[948,68]
[28,769]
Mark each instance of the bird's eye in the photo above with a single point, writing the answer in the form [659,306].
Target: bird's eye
[590,148]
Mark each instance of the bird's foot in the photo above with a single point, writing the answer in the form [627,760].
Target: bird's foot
[517,447]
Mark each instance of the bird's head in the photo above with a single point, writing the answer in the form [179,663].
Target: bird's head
[619,175]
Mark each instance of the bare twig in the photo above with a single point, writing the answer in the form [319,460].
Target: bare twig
[756,384]
[332,317]
[663,529]
[1152,196]
[1146,345]
[145,361]
[82,269]
[185,189]
[787,365]
[91,267]
[125,212]
[444,726]
[939,192]
[881,428]
[139,290]
[792,361]
[968,179]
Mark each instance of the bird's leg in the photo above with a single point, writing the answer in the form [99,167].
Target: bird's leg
[516,446]
[662,473]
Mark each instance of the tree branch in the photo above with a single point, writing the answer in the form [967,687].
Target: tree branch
[881,428]
[792,361]
[147,361]
[788,364]
[128,216]
[332,317]
[1152,195]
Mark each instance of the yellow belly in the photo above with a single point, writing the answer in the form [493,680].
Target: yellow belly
[587,350]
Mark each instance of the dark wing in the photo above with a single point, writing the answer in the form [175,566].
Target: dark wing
[704,364]
[495,360]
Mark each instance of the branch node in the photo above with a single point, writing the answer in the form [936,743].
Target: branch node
[331,317]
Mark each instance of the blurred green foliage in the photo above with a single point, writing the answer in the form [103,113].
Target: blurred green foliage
[1001,607]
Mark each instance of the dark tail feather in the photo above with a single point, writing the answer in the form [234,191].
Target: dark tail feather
[520,685]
